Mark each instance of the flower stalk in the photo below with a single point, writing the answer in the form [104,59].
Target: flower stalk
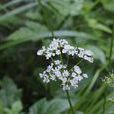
[69,100]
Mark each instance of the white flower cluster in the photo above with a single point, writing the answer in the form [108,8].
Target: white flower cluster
[57,71]
[61,46]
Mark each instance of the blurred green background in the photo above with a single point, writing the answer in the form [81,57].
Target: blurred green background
[26,25]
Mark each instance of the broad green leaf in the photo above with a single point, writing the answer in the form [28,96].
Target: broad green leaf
[17,11]
[9,92]
[25,34]
[54,106]
[16,107]
[34,15]
[96,25]
[66,7]
[1,108]
[11,3]
[36,27]
[109,5]
[57,105]
[39,107]
[78,112]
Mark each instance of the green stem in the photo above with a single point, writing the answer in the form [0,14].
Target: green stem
[111,45]
[104,104]
[110,60]
[52,34]
[67,60]
[79,62]
[68,96]
[63,22]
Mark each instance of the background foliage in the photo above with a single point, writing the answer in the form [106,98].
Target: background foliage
[26,25]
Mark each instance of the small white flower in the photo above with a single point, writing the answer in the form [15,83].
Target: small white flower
[79,78]
[58,52]
[40,52]
[60,67]
[65,73]
[41,75]
[53,54]
[64,51]
[90,59]
[73,74]
[49,68]
[77,69]
[64,80]
[52,77]
[57,62]
[74,82]
[85,75]
[46,80]
[72,52]
[57,73]
[66,87]
[81,52]
[88,52]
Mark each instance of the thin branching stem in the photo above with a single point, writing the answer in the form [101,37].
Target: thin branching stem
[69,100]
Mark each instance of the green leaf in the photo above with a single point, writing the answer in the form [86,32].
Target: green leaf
[54,106]
[98,53]
[78,112]
[17,11]
[109,5]
[9,92]
[34,15]
[16,107]
[9,4]
[36,27]
[66,7]
[96,25]
[1,108]
[25,34]
[57,105]
[39,107]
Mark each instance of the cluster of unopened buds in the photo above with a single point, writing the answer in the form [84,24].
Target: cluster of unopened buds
[109,80]
[59,71]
